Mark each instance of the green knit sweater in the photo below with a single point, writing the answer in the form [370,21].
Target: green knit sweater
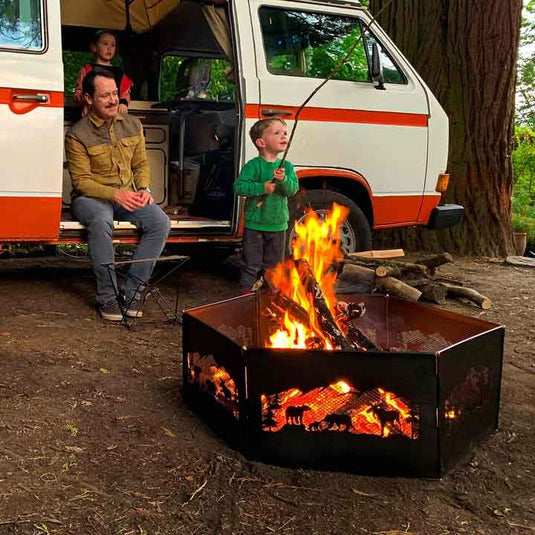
[272,215]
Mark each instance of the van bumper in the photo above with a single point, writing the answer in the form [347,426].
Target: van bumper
[445,215]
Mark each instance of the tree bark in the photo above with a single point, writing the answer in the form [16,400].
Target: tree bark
[466,52]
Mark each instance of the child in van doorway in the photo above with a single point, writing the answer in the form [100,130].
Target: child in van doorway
[266,188]
[104,48]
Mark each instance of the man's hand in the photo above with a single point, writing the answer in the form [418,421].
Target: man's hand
[131,200]
[269,187]
[146,197]
[123,108]
[278,174]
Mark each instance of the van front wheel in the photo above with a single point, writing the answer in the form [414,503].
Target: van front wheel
[355,232]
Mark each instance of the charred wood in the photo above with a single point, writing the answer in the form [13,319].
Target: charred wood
[324,315]
[283,304]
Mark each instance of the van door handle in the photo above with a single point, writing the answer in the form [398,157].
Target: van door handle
[271,113]
[42,99]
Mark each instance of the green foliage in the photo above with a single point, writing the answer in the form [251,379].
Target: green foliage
[525,107]
[72,63]
[218,87]
[324,58]
[523,200]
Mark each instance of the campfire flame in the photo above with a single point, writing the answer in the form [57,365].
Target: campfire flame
[318,242]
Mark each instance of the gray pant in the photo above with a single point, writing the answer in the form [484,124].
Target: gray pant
[261,250]
[97,216]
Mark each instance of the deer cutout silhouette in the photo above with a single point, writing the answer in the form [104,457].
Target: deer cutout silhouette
[385,417]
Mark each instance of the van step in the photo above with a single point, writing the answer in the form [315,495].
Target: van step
[125,225]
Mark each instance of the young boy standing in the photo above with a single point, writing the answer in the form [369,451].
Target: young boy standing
[267,189]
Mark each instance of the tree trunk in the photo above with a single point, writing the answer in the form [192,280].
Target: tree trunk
[466,52]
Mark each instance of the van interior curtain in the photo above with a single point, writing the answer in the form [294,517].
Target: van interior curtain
[218,21]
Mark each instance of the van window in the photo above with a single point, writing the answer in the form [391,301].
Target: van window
[21,25]
[299,43]
[195,77]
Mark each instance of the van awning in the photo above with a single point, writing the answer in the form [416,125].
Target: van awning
[144,14]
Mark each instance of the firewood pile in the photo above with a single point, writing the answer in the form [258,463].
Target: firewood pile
[420,280]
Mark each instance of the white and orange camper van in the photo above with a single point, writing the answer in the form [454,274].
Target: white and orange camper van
[374,138]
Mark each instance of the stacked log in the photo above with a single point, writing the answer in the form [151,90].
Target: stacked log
[413,281]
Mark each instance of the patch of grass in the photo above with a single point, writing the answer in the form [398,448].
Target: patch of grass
[73,430]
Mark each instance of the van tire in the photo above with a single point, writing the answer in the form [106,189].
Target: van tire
[356,232]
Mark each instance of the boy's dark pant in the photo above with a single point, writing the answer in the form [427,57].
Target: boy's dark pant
[261,250]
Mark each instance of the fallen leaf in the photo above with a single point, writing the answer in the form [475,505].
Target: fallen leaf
[104,370]
[168,432]
[112,447]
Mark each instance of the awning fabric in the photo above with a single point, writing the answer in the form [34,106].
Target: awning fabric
[111,14]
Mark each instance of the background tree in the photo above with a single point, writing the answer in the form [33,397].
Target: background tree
[467,53]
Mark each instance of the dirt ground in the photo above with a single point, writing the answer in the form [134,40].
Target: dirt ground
[94,437]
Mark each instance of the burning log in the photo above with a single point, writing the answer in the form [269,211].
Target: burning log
[349,312]
[284,304]
[324,315]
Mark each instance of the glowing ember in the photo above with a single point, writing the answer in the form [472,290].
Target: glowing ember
[317,242]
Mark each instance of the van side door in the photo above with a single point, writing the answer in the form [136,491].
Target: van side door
[378,134]
[31,120]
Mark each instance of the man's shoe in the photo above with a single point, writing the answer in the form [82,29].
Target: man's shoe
[133,309]
[111,311]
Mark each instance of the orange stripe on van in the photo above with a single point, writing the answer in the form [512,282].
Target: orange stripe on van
[339,115]
[55,99]
[29,218]
[399,211]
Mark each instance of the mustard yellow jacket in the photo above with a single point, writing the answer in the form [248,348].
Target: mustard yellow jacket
[104,156]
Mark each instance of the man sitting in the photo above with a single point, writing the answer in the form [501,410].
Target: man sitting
[110,175]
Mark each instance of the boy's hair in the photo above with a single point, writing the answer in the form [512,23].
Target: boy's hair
[88,84]
[257,130]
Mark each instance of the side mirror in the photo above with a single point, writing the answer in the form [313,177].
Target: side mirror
[377,68]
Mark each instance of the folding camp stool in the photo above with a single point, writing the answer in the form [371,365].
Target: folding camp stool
[149,287]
